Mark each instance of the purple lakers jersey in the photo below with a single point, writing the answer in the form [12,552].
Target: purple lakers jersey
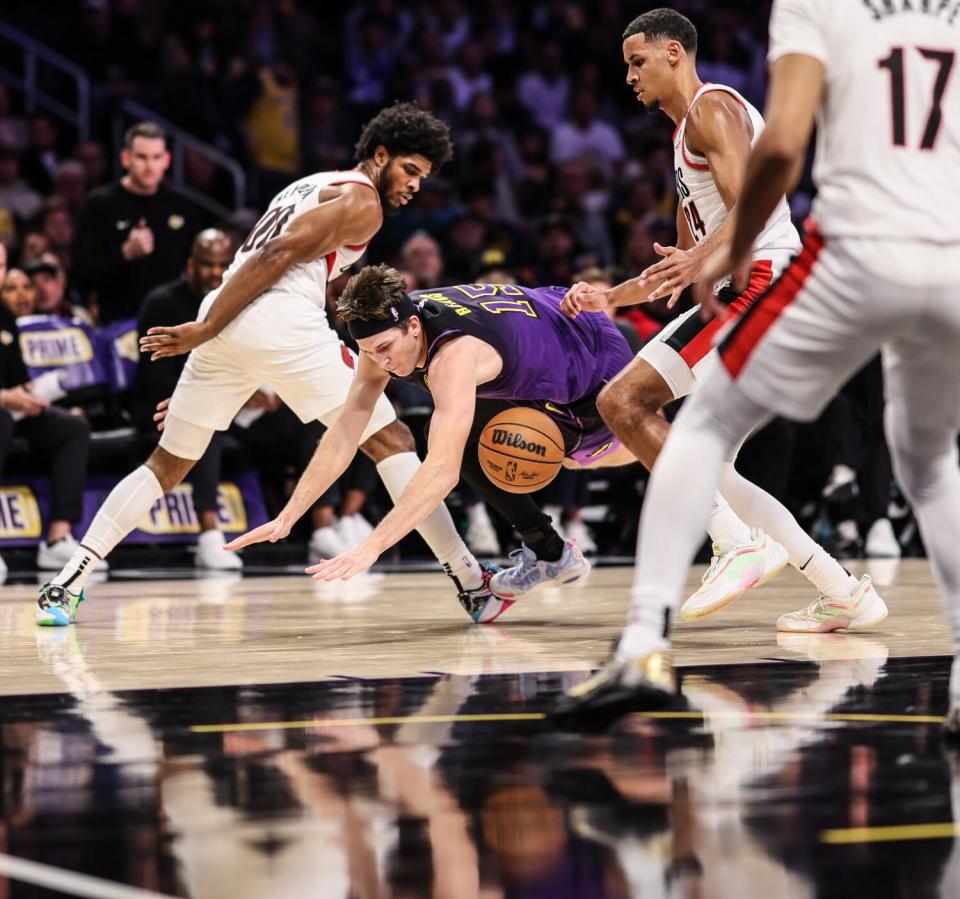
[546,356]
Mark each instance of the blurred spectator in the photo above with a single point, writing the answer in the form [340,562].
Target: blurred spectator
[546,89]
[324,146]
[136,232]
[70,182]
[49,279]
[584,137]
[469,76]
[62,439]
[465,243]
[43,154]
[270,101]
[13,128]
[33,246]
[558,251]
[421,257]
[18,293]
[584,203]
[15,194]
[56,225]
[371,55]
[484,125]
[90,155]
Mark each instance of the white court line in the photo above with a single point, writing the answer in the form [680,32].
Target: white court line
[71,882]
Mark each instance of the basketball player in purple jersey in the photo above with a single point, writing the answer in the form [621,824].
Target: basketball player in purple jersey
[479,349]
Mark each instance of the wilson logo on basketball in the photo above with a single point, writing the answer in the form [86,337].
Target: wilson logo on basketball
[512,439]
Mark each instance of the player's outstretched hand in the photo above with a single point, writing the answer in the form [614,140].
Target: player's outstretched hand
[346,565]
[162,342]
[270,532]
[584,297]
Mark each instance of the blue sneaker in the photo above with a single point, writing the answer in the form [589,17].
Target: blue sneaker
[56,606]
[481,604]
[530,574]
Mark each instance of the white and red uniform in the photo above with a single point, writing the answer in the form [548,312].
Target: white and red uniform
[882,265]
[282,339]
[679,349]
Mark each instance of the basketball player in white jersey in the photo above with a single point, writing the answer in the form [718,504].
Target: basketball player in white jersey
[880,270]
[266,325]
[715,129]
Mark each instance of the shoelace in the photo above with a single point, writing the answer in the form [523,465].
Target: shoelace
[526,559]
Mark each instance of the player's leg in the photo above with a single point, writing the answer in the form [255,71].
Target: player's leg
[313,380]
[631,405]
[544,558]
[211,390]
[922,375]
[124,508]
[806,332]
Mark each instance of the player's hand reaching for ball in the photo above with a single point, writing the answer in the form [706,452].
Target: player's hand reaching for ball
[163,342]
[584,297]
[346,565]
[270,532]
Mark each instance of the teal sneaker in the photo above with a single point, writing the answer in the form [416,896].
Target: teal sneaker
[56,606]
[482,604]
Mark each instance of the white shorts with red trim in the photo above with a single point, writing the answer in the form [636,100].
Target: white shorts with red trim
[830,312]
[680,352]
[282,340]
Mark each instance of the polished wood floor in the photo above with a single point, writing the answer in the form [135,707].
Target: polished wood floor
[268,738]
[228,631]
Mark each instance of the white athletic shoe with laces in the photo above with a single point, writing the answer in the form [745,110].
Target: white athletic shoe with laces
[530,574]
[733,572]
[860,609]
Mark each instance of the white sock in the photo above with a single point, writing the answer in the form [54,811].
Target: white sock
[725,528]
[437,529]
[120,513]
[681,486]
[756,505]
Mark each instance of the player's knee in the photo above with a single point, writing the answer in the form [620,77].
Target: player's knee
[626,399]
[167,468]
[395,438]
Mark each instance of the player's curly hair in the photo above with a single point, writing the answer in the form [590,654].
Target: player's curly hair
[370,293]
[664,23]
[406,129]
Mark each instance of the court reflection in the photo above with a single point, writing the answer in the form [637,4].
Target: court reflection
[775,784]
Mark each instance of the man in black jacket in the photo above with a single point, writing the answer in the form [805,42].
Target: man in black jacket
[135,233]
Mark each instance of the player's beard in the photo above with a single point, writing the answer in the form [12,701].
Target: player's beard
[651,108]
[389,209]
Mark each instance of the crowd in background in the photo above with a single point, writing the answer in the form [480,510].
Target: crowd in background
[558,175]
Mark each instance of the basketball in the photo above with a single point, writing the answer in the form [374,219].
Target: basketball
[521,450]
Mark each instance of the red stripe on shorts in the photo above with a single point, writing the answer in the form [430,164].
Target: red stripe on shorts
[760,277]
[736,350]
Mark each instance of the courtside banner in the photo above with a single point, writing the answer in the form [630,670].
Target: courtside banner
[118,351]
[25,510]
[65,345]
